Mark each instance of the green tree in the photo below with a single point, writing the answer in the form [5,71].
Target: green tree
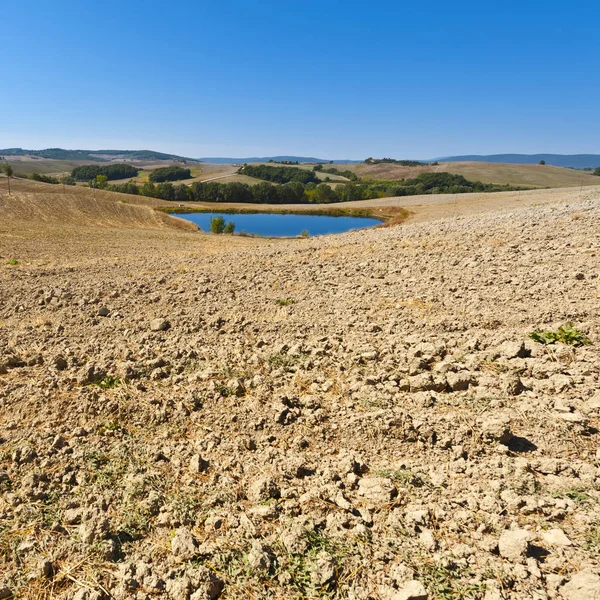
[229,227]
[596,171]
[542,162]
[8,171]
[217,225]
[101,181]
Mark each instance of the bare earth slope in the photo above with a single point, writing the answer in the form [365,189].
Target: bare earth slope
[357,416]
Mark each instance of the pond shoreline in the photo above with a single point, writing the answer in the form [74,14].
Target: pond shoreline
[387,215]
[281,224]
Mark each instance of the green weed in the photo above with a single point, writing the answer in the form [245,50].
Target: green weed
[12,261]
[565,334]
[284,302]
[107,382]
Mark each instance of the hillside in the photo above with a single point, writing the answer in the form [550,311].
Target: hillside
[93,155]
[525,175]
[573,161]
[186,416]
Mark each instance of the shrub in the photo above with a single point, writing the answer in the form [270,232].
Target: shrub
[229,227]
[566,334]
[217,225]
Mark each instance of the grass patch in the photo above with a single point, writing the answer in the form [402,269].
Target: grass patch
[13,262]
[445,583]
[108,382]
[578,495]
[402,476]
[284,302]
[566,334]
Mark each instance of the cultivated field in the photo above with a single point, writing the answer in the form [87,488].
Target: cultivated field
[365,415]
[521,175]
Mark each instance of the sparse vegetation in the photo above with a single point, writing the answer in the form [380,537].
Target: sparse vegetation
[8,171]
[108,382]
[284,301]
[565,334]
[12,262]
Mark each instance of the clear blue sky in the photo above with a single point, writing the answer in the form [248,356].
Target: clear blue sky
[329,79]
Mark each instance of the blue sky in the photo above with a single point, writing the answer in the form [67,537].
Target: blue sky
[328,79]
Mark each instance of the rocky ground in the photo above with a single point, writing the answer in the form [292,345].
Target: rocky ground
[361,416]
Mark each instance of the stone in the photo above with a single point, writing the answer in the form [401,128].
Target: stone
[496,430]
[262,489]
[510,350]
[159,325]
[325,568]
[513,544]
[556,537]
[459,381]
[411,590]
[103,311]
[197,464]
[379,489]
[183,544]
[259,558]
[585,585]
[512,385]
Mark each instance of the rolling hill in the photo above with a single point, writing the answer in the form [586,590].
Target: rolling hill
[572,161]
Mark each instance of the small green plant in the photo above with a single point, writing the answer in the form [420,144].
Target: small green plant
[304,233]
[12,261]
[284,302]
[592,538]
[229,227]
[403,476]
[565,334]
[110,426]
[108,382]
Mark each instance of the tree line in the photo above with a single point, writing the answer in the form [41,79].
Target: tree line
[173,173]
[295,192]
[351,175]
[279,174]
[111,172]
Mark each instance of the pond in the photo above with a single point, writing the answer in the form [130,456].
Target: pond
[281,225]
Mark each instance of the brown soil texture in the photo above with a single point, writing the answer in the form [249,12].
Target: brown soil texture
[360,416]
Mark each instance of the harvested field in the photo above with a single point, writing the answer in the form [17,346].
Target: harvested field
[365,416]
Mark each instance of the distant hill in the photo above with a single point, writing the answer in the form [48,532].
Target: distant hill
[573,161]
[92,155]
[255,159]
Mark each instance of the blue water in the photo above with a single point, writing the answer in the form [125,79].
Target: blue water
[278,225]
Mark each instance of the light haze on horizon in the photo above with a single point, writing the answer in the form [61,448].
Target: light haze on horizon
[326,79]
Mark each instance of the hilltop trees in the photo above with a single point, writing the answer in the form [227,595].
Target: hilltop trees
[173,173]
[116,171]
[8,171]
[279,174]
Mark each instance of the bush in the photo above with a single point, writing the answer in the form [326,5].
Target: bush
[217,225]
[173,173]
[229,227]
[43,178]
